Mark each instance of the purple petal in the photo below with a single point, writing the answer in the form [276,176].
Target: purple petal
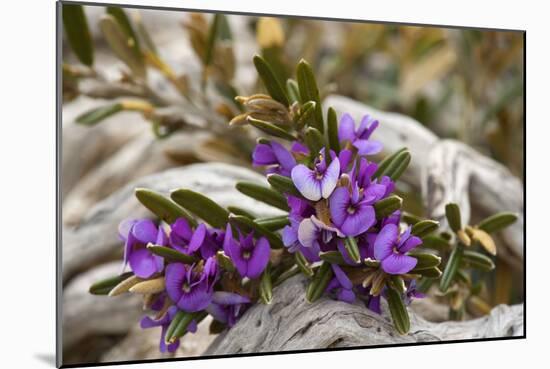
[410,244]
[346,128]
[174,277]
[346,295]
[368,147]
[299,148]
[305,181]
[162,238]
[197,299]
[290,236]
[344,253]
[182,229]
[330,178]
[383,245]
[263,155]
[398,264]
[217,312]
[307,233]
[359,222]
[342,277]
[259,258]
[143,263]
[374,193]
[198,238]
[229,298]
[145,231]
[338,204]
[374,304]
[344,157]
[284,157]
[125,227]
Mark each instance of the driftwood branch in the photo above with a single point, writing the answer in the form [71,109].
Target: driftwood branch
[291,323]
[449,171]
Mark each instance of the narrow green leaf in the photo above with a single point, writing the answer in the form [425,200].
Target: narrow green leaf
[303,264]
[319,282]
[314,140]
[452,212]
[385,163]
[162,207]
[211,40]
[263,194]
[247,225]
[104,286]
[497,222]
[333,257]
[410,219]
[396,282]
[270,128]
[476,260]
[398,311]
[266,288]
[290,272]
[450,269]
[225,262]
[96,115]
[309,91]
[118,42]
[332,130]
[387,206]
[171,254]
[181,328]
[273,223]
[435,242]
[425,284]
[240,211]
[396,168]
[201,206]
[433,273]
[124,23]
[425,260]
[78,33]
[293,90]
[270,81]
[305,115]
[282,184]
[173,324]
[145,36]
[424,228]
[352,249]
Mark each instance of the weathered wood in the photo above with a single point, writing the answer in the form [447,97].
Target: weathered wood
[291,323]
[448,171]
[95,239]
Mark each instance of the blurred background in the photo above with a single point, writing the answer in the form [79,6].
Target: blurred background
[463,84]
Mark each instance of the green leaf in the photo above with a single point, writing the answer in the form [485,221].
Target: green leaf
[293,90]
[350,244]
[451,268]
[387,206]
[319,282]
[497,222]
[398,311]
[171,254]
[398,165]
[240,211]
[105,286]
[247,224]
[332,130]
[303,264]
[145,36]
[428,273]
[314,140]
[435,242]
[263,194]
[78,33]
[173,324]
[273,223]
[309,91]
[425,284]
[96,115]
[476,260]
[270,128]
[333,257]
[425,260]
[385,163]
[219,28]
[305,114]
[266,288]
[282,184]
[410,219]
[124,23]
[225,262]
[180,329]
[452,212]
[201,206]
[290,272]
[118,42]
[396,282]
[424,228]
[270,81]
[162,207]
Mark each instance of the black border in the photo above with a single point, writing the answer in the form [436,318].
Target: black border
[59,282]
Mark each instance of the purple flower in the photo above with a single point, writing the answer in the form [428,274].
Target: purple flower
[137,234]
[319,182]
[163,322]
[274,155]
[352,212]
[313,233]
[359,138]
[342,285]
[391,249]
[249,258]
[191,286]
[226,307]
